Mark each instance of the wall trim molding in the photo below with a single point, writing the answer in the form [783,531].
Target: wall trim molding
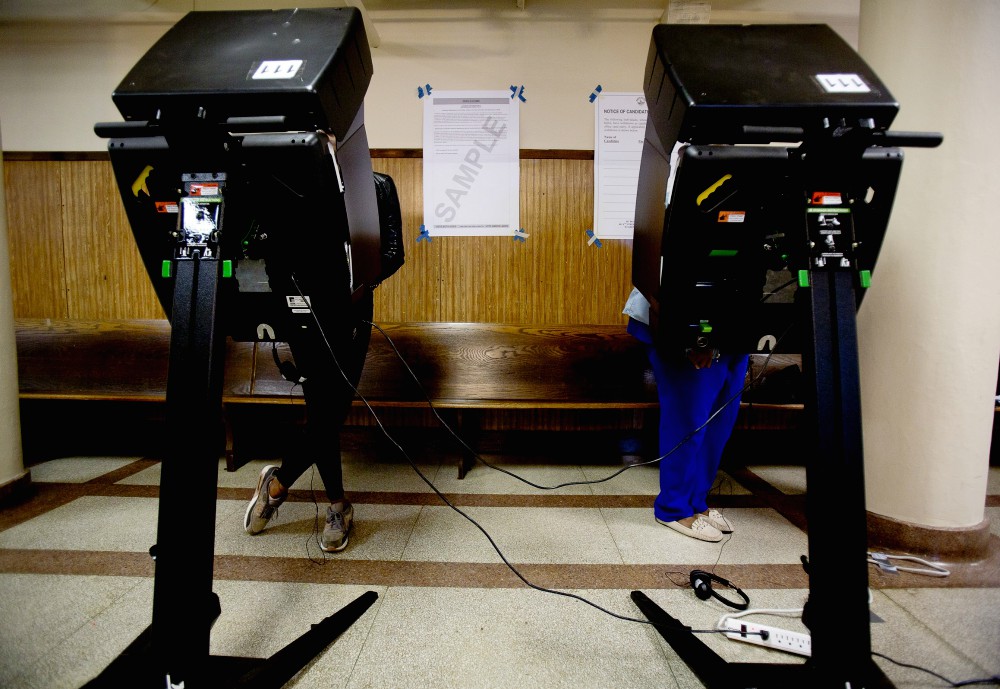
[955,544]
[16,488]
[525,154]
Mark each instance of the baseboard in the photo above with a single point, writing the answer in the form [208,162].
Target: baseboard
[966,544]
[15,488]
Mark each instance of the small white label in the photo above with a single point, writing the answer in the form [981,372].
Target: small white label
[684,12]
[842,83]
[277,69]
[296,302]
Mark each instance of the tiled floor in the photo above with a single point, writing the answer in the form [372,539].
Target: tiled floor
[76,583]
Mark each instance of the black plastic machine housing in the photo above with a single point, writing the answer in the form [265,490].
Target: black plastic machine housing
[244,170]
[271,105]
[705,83]
[732,92]
[214,66]
[743,204]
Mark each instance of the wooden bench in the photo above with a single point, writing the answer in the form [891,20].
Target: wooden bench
[464,368]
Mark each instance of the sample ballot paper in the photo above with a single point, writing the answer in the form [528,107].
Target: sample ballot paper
[620,127]
[471,163]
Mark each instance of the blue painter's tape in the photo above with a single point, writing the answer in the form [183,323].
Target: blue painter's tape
[593,239]
[424,90]
[518,92]
[520,235]
[593,96]
[424,234]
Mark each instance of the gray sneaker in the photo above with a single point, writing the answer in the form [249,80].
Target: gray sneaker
[339,520]
[262,506]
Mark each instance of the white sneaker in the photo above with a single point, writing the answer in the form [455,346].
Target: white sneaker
[700,528]
[718,520]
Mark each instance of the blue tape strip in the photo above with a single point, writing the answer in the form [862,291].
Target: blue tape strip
[424,234]
[520,235]
[593,239]
[519,93]
[593,96]
[424,90]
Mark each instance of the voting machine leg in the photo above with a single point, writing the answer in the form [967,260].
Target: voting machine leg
[185,534]
[837,610]
[174,650]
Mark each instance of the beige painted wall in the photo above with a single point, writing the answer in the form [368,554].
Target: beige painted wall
[60,60]
[930,328]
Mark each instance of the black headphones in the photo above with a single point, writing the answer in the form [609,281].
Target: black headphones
[286,368]
[701,582]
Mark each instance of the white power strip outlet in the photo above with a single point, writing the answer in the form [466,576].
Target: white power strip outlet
[781,639]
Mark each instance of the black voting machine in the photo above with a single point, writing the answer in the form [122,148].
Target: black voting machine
[244,170]
[742,209]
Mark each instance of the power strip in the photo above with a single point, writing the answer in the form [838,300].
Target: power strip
[769,637]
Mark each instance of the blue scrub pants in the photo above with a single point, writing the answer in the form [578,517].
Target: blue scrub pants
[688,396]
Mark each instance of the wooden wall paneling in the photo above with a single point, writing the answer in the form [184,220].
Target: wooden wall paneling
[472,270]
[35,235]
[548,219]
[413,294]
[498,279]
[73,254]
[105,276]
[576,282]
[558,201]
[607,281]
[597,278]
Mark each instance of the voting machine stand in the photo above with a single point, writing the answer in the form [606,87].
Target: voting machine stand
[740,204]
[242,155]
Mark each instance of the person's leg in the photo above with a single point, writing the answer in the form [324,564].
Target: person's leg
[730,371]
[685,395]
[686,398]
[329,392]
[328,395]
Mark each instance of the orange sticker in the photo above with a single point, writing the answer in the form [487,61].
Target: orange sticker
[203,189]
[166,206]
[826,198]
[732,216]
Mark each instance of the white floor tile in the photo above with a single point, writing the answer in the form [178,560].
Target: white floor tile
[543,535]
[479,639]
[76,469]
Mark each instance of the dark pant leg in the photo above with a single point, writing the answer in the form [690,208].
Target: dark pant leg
[328,395]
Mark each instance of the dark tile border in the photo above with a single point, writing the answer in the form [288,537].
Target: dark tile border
[981,573]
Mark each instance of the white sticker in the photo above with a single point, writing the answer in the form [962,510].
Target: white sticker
[296,302]
[277,69]
[842,83]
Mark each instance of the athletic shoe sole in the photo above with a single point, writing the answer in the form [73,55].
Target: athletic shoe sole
[266,472]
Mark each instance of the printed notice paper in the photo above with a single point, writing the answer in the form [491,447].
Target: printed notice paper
[619,130]
[471,163]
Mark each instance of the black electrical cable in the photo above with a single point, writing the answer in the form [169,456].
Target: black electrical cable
[995,679]
[625,468]
[685,439]
[472,521]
